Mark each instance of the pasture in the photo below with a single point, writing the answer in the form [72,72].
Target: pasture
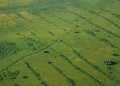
[59,42]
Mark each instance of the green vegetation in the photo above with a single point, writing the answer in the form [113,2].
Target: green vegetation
[59,42]
[7,48]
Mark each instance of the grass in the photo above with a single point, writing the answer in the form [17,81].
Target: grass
[59,43]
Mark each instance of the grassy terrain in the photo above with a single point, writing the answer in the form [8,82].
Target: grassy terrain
[59,42]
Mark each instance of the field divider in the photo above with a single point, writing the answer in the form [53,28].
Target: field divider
[116,15]
[65,58]
[38,51]
[89,20]
[104,40]
[48,21]
[37,75]
[90,63]
[98,15]
[71,81]
[34,22]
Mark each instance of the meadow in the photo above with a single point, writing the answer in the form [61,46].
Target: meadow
[59,42]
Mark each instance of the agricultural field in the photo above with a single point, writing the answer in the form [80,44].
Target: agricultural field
[59,42]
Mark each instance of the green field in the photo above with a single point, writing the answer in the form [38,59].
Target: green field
[59,42]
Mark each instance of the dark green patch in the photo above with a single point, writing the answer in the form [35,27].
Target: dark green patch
[8,48]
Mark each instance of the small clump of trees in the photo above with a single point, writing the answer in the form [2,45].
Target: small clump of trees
[8,48]
[16,85]
[1,78]
[46,51]
[9,75]
[109,62]
[13,75]
[90,32]
[115,54]
[25,77]
[32,43]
